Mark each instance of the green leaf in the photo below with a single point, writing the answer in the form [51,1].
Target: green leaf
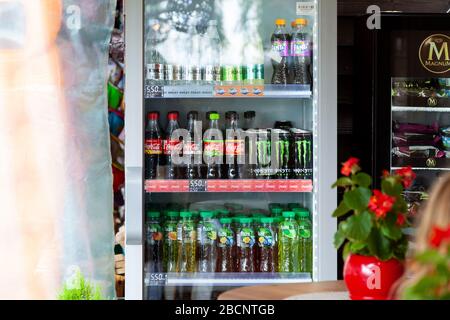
[343,182]
[357,199]
[346,252]
[358,226]
[362,179]
[391,187]
[391,230]
[358,247]
[401,247]
[379,246]
[341,210]
[430,257]
[339,236]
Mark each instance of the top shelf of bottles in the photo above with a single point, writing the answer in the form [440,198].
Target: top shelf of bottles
[292,91]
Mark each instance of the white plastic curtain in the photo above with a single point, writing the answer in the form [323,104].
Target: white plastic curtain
[55,164]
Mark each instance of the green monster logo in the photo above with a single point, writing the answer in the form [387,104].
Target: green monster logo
[305,146]
[264,152]
[283,150]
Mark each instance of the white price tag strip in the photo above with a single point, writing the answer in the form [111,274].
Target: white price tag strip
[306,8]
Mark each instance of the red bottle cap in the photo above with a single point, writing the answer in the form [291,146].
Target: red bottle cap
[173,116]
[153,116]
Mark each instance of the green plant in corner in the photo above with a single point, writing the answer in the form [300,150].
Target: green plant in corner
[375,219]
[78,288]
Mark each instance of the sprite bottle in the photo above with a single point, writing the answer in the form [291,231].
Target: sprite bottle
[288,243]
[170,252]
[305,241]
[186,237]
[206,243]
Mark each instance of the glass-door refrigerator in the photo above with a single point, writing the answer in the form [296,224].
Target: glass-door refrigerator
[230,145]
[404,82]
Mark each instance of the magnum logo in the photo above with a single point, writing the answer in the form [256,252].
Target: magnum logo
[434,53]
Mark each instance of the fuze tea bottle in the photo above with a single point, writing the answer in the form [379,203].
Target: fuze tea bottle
[225,246]
[206,243]
[154,243]
[276,223]
[305,240]
[256,223]
[170,242]
[288,243]
[265,233]
[245,242]
[187,236]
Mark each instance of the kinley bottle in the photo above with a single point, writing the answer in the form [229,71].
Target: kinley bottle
[288,244]
[170,241]
[245,243]
[187,236]
[225,246]
[206,243]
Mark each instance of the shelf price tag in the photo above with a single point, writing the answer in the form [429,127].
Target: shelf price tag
[198,186]
[153,91]
[306,8]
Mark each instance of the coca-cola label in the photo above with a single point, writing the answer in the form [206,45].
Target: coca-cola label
[192,148]
[213,148]
[281,47]
[170,146]
[234,147]
[300,48]
[153,146]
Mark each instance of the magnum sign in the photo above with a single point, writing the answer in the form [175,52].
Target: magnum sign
[434,53]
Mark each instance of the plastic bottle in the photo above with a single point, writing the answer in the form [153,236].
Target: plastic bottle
[213,148]
[212,66]
[171,146]
[170,241]
[288,244]
[234,147]
[154,61]
[305,241]
[225,246]
[187,236]
[193,69]
[193,148]
[154,243]
[206,243]
[265,234]
[301,53]
[153,146]
[280,53]
[245,243]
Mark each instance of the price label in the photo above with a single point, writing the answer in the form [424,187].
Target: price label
[198,186]
[306,8]
[153,91]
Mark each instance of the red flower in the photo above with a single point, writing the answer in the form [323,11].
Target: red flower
[381,203]
[401,219]
[439,236]
[349,167]
[386,173]
[407,175]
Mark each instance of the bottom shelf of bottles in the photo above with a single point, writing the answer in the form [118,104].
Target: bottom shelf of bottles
[224,279]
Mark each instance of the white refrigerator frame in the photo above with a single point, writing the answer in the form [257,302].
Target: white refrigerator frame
[325,173]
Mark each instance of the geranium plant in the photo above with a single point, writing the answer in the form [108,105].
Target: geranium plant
[375,219]
[434,265]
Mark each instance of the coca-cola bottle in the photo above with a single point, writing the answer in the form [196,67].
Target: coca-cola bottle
[171,146]
[213,146]
[193,148]
[234,147]
[153,146]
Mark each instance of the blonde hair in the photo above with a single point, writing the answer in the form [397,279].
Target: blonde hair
[436,213]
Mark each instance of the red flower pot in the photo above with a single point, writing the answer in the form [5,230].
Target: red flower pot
[368,278]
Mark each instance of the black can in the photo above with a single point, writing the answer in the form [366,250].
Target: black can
[281,140]
[303,154]
[283,125]
[263,154]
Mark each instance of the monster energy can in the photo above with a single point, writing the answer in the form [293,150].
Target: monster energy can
[281,140]
[303,154]
[263,154]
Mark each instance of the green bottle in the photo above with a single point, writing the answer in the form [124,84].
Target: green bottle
[305,241]
[288,260]
[206,242]
[187,237]
[170,251]
[276,212]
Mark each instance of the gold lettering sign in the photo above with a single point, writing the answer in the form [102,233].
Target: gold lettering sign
[434,53]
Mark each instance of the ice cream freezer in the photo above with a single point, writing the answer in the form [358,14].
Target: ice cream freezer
[231,145]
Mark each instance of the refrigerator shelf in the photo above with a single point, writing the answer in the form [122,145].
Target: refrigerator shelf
[431,164]
[241,91]
[226,279]
[431,102]
[424,169]
[420,109]
[229,186]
